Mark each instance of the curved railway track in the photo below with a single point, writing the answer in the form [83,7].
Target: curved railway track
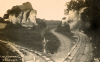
[78,52]
[30,52]
[27,52]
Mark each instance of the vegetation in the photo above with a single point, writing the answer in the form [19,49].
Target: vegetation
[23,36]
[6,50]
[91,21]
[76,5]
[52,22]
[2,20]
[6,16]
[32,38]
[26,36]
[11,26]
[41,22]
[65,30]
[15,10]
[53,42]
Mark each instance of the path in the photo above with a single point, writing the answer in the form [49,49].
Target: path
[63,49]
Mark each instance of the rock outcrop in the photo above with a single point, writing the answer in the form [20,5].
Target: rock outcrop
[24,16]
[32,16]
[26,6]
[73,17]
[27,16]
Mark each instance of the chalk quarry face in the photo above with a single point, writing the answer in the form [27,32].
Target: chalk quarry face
[74,17]
[27,16]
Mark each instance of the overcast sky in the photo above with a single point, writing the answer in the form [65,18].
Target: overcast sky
[47,9]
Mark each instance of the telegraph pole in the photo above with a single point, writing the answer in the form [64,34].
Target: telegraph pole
[44,45]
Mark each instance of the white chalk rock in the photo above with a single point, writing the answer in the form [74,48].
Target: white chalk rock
[12,18]
[32,17]
[24,16]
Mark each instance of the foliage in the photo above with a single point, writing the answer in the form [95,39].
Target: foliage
[15,10]
[24,37]
[65,30]
[10,25]
[76,5]
[6,16]
[53,43]
[40,22]
[91,15]
[52,22]
[1,20]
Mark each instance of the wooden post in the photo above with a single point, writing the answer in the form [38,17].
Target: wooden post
[44,45]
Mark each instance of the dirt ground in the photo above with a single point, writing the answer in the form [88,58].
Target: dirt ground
[64,47]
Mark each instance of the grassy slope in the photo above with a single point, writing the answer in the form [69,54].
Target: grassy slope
[24,37]
[32,38]
[53,43]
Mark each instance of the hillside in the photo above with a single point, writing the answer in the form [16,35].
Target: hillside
[22,36]
[23,14]
[22,27]
[89,22]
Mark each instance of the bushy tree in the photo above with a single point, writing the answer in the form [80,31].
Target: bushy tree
[91,15]
[41,23]
[6,16]
[65,30]
[15,10]
[75,4]
[2,20]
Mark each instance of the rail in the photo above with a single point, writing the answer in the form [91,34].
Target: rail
[77,50]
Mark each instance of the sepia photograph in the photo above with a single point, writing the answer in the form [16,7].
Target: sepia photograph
[49,31]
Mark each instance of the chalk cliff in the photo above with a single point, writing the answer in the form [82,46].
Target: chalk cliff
[27,16]
[73,18]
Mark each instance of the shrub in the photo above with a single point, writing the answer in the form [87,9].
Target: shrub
[53,42]
[65,30]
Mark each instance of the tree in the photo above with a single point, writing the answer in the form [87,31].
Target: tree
[76,5]
[40,23]
[6,16]
[15,10]
[2,20]
[90,15]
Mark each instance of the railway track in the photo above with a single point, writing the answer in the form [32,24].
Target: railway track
[25,53]
[30,52]
[79,51]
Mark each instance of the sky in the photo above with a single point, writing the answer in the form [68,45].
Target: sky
[46,9]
